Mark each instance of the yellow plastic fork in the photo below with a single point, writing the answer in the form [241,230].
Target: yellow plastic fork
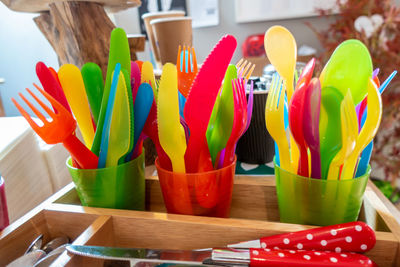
[245,68]
[374,115]
[349,124]
[274,120]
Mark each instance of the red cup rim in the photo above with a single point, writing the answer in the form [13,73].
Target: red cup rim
[158,166]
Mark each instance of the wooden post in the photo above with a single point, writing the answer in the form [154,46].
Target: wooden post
[79,32]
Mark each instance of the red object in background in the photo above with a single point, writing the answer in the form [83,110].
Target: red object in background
[4,221]
[253,46]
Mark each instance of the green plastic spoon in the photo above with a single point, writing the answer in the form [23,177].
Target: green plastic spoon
[329,127]
[219,133]
[94,85]
[350,66]
[119,53]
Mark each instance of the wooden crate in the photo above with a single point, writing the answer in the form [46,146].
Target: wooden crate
[254,213]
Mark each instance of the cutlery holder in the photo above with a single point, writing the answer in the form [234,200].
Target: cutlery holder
[205,193]
[312,201]
[119,187]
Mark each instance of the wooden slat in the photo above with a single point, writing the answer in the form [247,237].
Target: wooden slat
[100,232]
[35,6]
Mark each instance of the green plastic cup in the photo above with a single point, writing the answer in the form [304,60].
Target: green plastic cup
[304,200]
[119,187]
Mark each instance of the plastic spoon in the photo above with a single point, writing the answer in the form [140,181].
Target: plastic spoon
[147,76]
[218,136]
[350,66]
[119,53]
[107,119]
[349,131]
[330,127]
[369,130]
[312,103]
[142,108]
[135,79]
[120,131]
[281,49]
[72,83]
[307,72]
[296,121]
[94,85]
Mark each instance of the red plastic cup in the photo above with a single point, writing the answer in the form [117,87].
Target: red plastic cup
[4,221]
[202,194]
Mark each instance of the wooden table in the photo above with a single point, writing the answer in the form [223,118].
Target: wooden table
[254,213]
[79,31]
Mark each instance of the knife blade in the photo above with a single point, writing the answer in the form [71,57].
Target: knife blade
[253,257]
[191,257]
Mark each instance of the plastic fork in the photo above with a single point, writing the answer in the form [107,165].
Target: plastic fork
[374,115]
[245,68]
[187,70]
[59,130]
[349,129]
[275,122]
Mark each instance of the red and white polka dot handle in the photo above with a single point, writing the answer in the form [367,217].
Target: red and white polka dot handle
[267,257]
[353,237]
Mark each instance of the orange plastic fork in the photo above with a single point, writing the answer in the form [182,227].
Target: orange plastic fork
[185,79]
[59,130]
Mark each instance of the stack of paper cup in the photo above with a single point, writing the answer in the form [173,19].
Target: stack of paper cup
[157,15]
[170,33]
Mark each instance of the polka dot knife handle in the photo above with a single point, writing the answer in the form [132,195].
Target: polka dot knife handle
[287,258]
[353,237]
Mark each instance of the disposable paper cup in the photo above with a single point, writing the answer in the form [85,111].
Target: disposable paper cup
[156,15]
[256,146]
[119,187]
[169,34]
[4,220]
[204,194]
[304,200]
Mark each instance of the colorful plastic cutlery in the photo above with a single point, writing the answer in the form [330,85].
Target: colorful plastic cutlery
[142,108]
[312,103]
[374,114]
[350,66]
[170,131]
[281,49]
[72,83]
[349,128]
[147,76]
[94,85]
[329,127]
[367,152]
[119,53]
[296,121]
[218,135]
[60,130]
[51,84]
[201,99]
[120,131]
[107,119]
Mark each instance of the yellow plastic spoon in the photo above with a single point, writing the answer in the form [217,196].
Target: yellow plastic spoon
[72,83]
[374,115]
[147,75]
[281,49]
[170,131]
[349,127]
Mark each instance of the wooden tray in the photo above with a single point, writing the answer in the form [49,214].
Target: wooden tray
[254,213]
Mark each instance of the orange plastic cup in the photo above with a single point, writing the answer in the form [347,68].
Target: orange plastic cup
[202,194]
